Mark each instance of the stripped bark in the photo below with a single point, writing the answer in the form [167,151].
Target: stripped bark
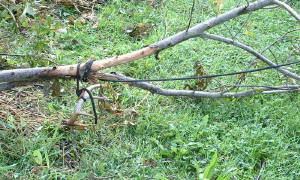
[78,111]
[70,70]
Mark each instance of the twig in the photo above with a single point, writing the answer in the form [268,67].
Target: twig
[274,6]
[261,171]
[250,50]
[239,31]
[195,94]
[78,112]
[200,11]
[165,28]
[254,62]
[22,55]
[289,9]
[11,14]
[239,3]
[164,19]
[191,16]
[286,87]
[75,6]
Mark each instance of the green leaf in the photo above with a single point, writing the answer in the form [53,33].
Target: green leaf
[223,177]
[209,171]
[205,120]
[28,11]
[38,157]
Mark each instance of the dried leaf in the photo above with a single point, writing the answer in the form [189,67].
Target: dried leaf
[220,5]
[200,84]
[62,30]
[242,76]
[56,88]
[139,31]
[37,157]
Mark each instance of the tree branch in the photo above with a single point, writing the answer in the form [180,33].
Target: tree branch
[250,50]
[289,9]
[78,112]
[70,70]
[197,94]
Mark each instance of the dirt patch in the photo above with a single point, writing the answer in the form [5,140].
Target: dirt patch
[20,108]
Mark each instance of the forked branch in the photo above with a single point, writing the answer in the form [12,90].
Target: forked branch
[70,70]
[79,105]
[169,92]
[250,50]
[289,9]
[207,94]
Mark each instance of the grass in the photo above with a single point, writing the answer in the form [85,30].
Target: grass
[173,138]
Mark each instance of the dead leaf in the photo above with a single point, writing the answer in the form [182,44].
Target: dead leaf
[56,88]
[220,5]
[129,123]
[139,31]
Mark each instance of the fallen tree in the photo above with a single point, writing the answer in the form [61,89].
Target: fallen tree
[18,77]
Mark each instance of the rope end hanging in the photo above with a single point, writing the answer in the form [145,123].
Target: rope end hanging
[87,69]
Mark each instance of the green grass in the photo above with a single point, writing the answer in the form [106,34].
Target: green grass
[173,137]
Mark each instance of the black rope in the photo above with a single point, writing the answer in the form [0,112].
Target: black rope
[87,68]
[88,65]
[203,77]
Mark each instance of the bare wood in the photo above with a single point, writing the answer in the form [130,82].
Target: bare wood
[79,105]
[70,70]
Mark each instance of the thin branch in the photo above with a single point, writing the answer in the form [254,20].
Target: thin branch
[286,87]
[6,36]
[79,105]
[165,22]
[70,70]
[75,6]
[239,3]
[274,6]
[279,39]
[239,31]
[22,55]
[191,16]
[289,9]
[195,94]
[200,28]
[11,14]
[250,50]
[261,171]
[254,62]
